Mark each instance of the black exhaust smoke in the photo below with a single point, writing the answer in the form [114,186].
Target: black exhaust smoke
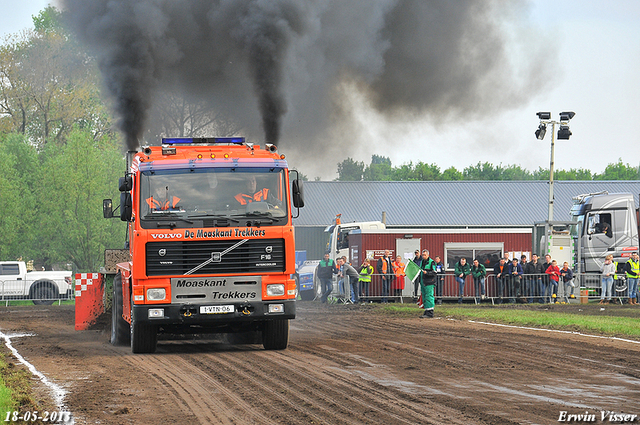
[409,59]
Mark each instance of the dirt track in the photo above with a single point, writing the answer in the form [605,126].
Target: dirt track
[344,365]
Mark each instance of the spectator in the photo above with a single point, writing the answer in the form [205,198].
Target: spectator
[567,282]
[554,277]
[340,265]
[440,271]
[352,279]
[536,273]
[325,271]
[398,282]
[461,270]
[416,283]
[385,269]
[427,281]
[608,271]
[524,281]
[546,284]
[365,272]
[479,272]
[501,273]
[515,280]
[632,269]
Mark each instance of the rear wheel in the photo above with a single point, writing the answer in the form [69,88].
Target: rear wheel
[120,332]
[144,337]
[275,335]
[43,294]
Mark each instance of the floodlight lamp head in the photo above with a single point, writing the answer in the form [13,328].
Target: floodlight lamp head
[564,133]
[541,131]
[566,116]
[544,115]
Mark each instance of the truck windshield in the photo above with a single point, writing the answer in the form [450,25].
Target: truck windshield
[189,198]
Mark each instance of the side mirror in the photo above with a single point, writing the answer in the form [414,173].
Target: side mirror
[126,206]
[125,184]
[107,208]
[298,193]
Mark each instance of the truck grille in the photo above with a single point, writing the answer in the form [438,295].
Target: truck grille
[254,256]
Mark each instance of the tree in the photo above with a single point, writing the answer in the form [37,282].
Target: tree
[75,179]
[481,171]
[19,171]
[350,170]
[427,172]
[451,173]
[379,169]
[48,84]
[619,171]
[177,116]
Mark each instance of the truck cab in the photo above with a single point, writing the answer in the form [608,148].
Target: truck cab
[608,224]
[211,242]
[338,245]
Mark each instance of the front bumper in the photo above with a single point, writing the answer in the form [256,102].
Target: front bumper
[189,314]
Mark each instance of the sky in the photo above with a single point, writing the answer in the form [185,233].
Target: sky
[594,46]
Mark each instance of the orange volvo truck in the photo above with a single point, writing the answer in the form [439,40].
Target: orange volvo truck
[210,243]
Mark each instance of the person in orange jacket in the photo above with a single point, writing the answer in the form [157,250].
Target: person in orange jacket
[161,200]
[398,283]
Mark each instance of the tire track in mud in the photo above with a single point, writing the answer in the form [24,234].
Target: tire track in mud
[513,356]
[201,394]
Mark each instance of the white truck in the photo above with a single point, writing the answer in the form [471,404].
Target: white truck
[43,287]
[338,246]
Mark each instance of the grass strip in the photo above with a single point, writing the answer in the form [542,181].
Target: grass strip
[626,327]
[15,387]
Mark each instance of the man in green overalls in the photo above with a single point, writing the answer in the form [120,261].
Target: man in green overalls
[427,281]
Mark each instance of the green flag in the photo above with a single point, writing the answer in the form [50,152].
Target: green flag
[412,270]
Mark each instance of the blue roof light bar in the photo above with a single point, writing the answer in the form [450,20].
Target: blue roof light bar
[203,140]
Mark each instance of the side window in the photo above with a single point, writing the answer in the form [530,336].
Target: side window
[454,255]
[600,224]
[487,253]
[10,269]
[343,239]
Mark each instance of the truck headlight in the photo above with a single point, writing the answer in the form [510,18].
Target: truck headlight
[275,290]
[156,294]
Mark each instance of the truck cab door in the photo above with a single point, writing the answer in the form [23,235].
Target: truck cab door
[598,239]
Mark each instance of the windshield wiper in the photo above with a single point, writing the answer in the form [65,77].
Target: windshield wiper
[208,215]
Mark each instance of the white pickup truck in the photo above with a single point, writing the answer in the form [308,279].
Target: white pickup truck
[41,287]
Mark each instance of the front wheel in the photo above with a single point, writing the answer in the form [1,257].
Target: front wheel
[275,335]
[144,337]
[120,332]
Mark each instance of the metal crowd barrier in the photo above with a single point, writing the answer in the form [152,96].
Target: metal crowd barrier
[526,288]
[21,290]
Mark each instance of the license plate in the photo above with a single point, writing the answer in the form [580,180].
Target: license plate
[216,309]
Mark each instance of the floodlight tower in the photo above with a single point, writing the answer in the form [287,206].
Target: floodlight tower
[563,134]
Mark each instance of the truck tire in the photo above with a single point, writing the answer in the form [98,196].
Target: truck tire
[120,332]
[43,293]
[307,295]
[275,335]
[144,337]
[317,287]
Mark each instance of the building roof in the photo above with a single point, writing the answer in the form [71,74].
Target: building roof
[447,203]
